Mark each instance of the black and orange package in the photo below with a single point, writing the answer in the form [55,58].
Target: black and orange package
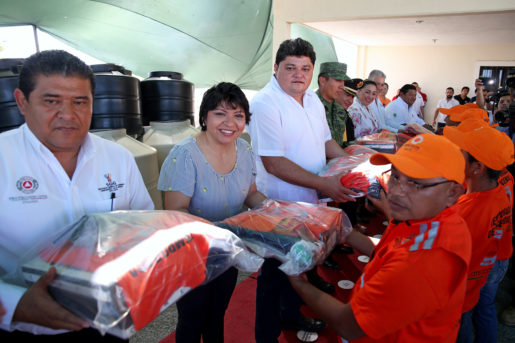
[298,234]
[119,270]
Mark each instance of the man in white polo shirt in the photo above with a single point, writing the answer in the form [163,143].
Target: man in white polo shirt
[54,172]
[292,140]
[447,102]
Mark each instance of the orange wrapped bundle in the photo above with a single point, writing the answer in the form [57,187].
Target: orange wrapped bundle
[119,270]
[357,149]
[359,174]
[298,234]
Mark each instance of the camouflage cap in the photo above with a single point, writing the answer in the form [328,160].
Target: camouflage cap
[335,70]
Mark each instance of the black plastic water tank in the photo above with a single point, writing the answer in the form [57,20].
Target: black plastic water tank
[10,116]
[116,103]
[166,96]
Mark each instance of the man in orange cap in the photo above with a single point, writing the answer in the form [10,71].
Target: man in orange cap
[459,113]
[413,288]
[487,152]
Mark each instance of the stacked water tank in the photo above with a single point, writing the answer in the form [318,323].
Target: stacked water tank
[117,114]
[10,116]
[166,96]
[167,105]
[116,102]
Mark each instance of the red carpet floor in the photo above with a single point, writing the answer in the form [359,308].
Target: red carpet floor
[240,316]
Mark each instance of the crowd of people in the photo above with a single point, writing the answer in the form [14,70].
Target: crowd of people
[433,275]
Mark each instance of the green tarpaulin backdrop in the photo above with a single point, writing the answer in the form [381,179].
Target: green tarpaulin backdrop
[206,40]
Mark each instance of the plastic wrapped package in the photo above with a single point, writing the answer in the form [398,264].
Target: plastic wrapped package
[357,149]
[407,133]
[119,270]
[300,235]
[383,141]
[360,175]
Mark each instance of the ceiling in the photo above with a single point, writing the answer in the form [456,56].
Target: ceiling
[464,29]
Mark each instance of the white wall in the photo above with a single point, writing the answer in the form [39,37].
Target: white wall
[348,54]
[305,11]
[434,67]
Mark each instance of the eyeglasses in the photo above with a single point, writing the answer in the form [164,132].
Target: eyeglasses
[412,185]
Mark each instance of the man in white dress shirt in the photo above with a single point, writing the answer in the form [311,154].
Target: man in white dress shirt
[54,172]
[400,112]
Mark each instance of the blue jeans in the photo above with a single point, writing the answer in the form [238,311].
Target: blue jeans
[484,315]
[465,331]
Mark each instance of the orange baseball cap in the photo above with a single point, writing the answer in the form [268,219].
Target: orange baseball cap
[458,108]
[426,156]
[487,145]
[470,113]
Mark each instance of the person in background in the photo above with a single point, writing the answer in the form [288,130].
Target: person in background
[413,288]
[400,112]
[292,141]
[345,99]
[483,98]
[396,94]
[505,100]
[462,98]
[420,103]
[331,85]
[365,121]
[376,107]
[483,165]
[382,95]
[446,102]
[340,124]
[211,175]
[2,311]
[55,172]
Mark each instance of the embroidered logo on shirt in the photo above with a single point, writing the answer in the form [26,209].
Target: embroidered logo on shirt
[27,185]
[111,185]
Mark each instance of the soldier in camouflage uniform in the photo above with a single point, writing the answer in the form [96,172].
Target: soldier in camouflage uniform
[331,83]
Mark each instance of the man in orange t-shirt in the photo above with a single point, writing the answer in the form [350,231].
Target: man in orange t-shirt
[506,246]
[487,152]
[413,288]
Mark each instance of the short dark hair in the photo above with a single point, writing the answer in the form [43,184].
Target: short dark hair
[295,47]
[223,92]
[406,88]
[491,173]
[414,83]
[465,87]
[324,75]
[452,89]
[52,62]
[387,85]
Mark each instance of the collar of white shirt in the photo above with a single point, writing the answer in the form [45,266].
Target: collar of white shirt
[87,148]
